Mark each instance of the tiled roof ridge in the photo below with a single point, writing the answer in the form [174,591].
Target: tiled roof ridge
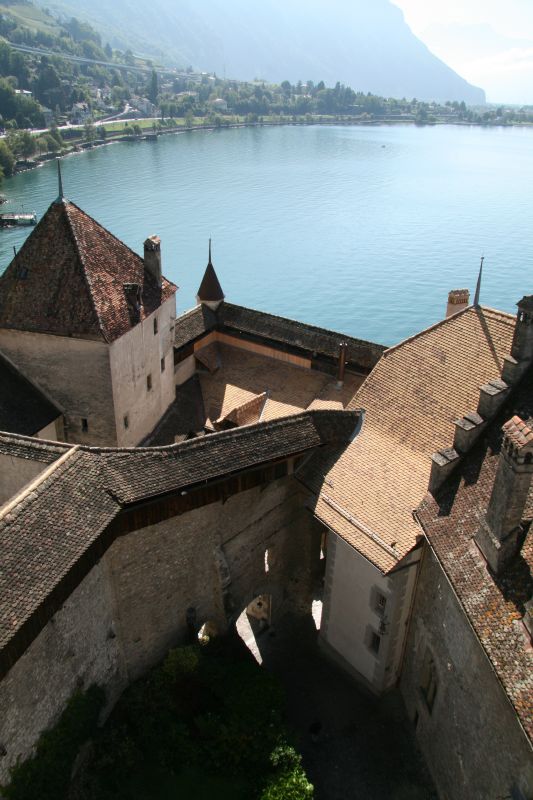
[66,204]
[316,415]
[441,322]
[304,325]
[33,441]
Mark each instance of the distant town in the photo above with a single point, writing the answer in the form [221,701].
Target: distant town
[62,89]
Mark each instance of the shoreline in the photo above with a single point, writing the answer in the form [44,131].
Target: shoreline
[79,148]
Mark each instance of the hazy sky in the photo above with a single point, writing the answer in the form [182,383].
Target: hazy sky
[489,42]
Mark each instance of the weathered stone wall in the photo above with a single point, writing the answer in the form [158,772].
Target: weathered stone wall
[77,648]
[134,603]
[211,560]
[75,373]
[472,741]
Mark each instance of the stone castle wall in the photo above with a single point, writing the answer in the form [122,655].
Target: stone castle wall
[133,605]
[471,738]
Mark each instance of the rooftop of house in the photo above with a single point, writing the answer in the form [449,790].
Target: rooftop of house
[69,279]
[367,494]
[53,532]
[494,605]
[23,407]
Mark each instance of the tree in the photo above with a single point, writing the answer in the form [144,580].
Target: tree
[89,131]
[153,88]
[7,159]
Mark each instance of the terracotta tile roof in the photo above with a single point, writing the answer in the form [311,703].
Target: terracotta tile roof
[142,473]
[411,400]
[69,276]
[245,414]
[23,408]
[54,532]
[495,607]
[243,375]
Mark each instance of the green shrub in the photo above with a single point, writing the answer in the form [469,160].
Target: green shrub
[46,775]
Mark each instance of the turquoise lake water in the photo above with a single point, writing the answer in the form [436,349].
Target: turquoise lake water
[360,229]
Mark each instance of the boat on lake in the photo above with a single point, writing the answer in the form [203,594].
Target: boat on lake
[12,219]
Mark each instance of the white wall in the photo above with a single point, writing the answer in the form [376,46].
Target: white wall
[16,473]
[50,433]
[74,373]
[133,357]
[350,614]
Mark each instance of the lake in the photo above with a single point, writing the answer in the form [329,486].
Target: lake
[361,229]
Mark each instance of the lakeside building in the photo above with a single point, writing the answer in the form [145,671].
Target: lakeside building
[159,473]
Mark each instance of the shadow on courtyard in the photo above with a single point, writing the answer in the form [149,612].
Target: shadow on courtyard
[354,746]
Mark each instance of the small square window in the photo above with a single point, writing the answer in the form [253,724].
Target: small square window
[149,383]
[375,642]
[162,365]
[155,325]
[84,424]
[126,422]
[381,603]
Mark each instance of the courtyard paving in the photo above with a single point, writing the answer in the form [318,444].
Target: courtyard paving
[365,747]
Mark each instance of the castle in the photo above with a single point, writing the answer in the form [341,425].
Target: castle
[159,473]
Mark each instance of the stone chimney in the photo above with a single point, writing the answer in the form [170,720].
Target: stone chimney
[522,348]
[499,535]
[152,258]
[458,299]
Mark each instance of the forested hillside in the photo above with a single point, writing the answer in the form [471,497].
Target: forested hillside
[366,45]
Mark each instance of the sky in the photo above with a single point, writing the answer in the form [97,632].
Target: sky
[488,42]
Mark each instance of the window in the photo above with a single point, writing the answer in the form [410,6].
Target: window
[162,365]
[84,424]
[155,325]
[126,422]
[375,641]
[149,383]
[381,603]
[429,682]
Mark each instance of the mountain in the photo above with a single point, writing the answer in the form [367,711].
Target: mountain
[366,45]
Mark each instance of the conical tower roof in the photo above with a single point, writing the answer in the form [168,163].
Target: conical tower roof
[69,279]
[210,290]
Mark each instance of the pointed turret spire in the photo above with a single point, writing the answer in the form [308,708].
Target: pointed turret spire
[478,286]
[60,196]
[210,292]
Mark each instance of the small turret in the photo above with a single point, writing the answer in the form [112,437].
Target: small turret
[210,292]
[522,349]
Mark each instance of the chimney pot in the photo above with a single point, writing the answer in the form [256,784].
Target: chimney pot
[152,258]
[458,299]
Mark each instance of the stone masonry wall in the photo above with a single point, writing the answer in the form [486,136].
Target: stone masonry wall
[133,606]
[77,648]
[472,741]
[211,560]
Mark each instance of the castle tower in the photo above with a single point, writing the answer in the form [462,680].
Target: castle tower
[90,323]
[499,535]
[210,292]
